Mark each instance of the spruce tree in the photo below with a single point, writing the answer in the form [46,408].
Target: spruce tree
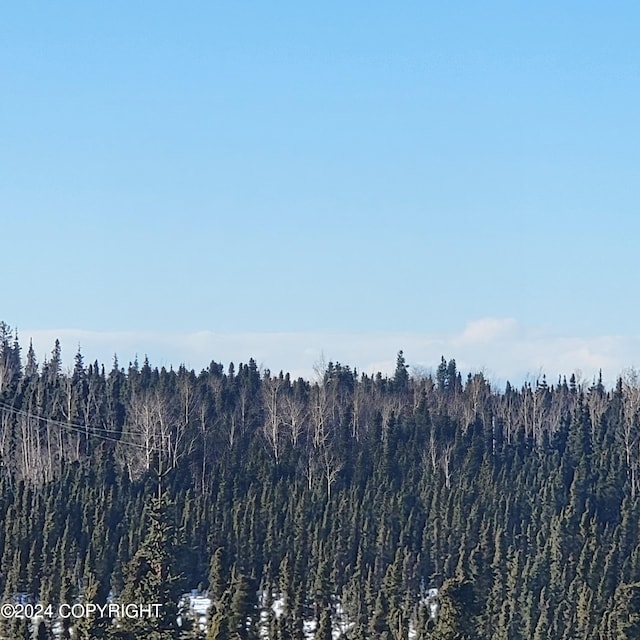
[93,627]
[219,615]
[457,608]
[152,578]
[324,629]
[22,630]
[243,609]
[43,633]
[627,611]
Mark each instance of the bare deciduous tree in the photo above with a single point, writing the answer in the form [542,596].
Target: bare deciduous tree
[273,422]
[630,424]
[430,455]
[319,414]
[146,441]
[331,467]
[295,416]
[447,453]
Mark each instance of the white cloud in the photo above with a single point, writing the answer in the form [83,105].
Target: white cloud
[486,330]
[501,347]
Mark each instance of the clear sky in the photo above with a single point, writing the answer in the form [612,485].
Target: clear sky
[214,180]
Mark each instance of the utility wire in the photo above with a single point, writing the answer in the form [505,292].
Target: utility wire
[81,428]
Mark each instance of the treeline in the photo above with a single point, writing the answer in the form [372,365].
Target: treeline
[345,498]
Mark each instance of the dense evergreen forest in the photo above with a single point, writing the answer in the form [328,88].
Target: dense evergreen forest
[345,500]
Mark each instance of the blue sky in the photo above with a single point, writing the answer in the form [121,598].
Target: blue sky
[219,180]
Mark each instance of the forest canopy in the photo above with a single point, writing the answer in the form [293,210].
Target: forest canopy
[348,499]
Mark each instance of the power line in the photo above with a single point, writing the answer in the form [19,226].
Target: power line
[82,429]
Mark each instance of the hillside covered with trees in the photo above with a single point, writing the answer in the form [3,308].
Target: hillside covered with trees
[345,499]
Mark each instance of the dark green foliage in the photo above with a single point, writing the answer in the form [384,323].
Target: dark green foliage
[323,630]
[93,627]
[152,578]
[43,633]
[401,376]
[458,610]
[243,609]
[22,631]
[521,506]
[627,611]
